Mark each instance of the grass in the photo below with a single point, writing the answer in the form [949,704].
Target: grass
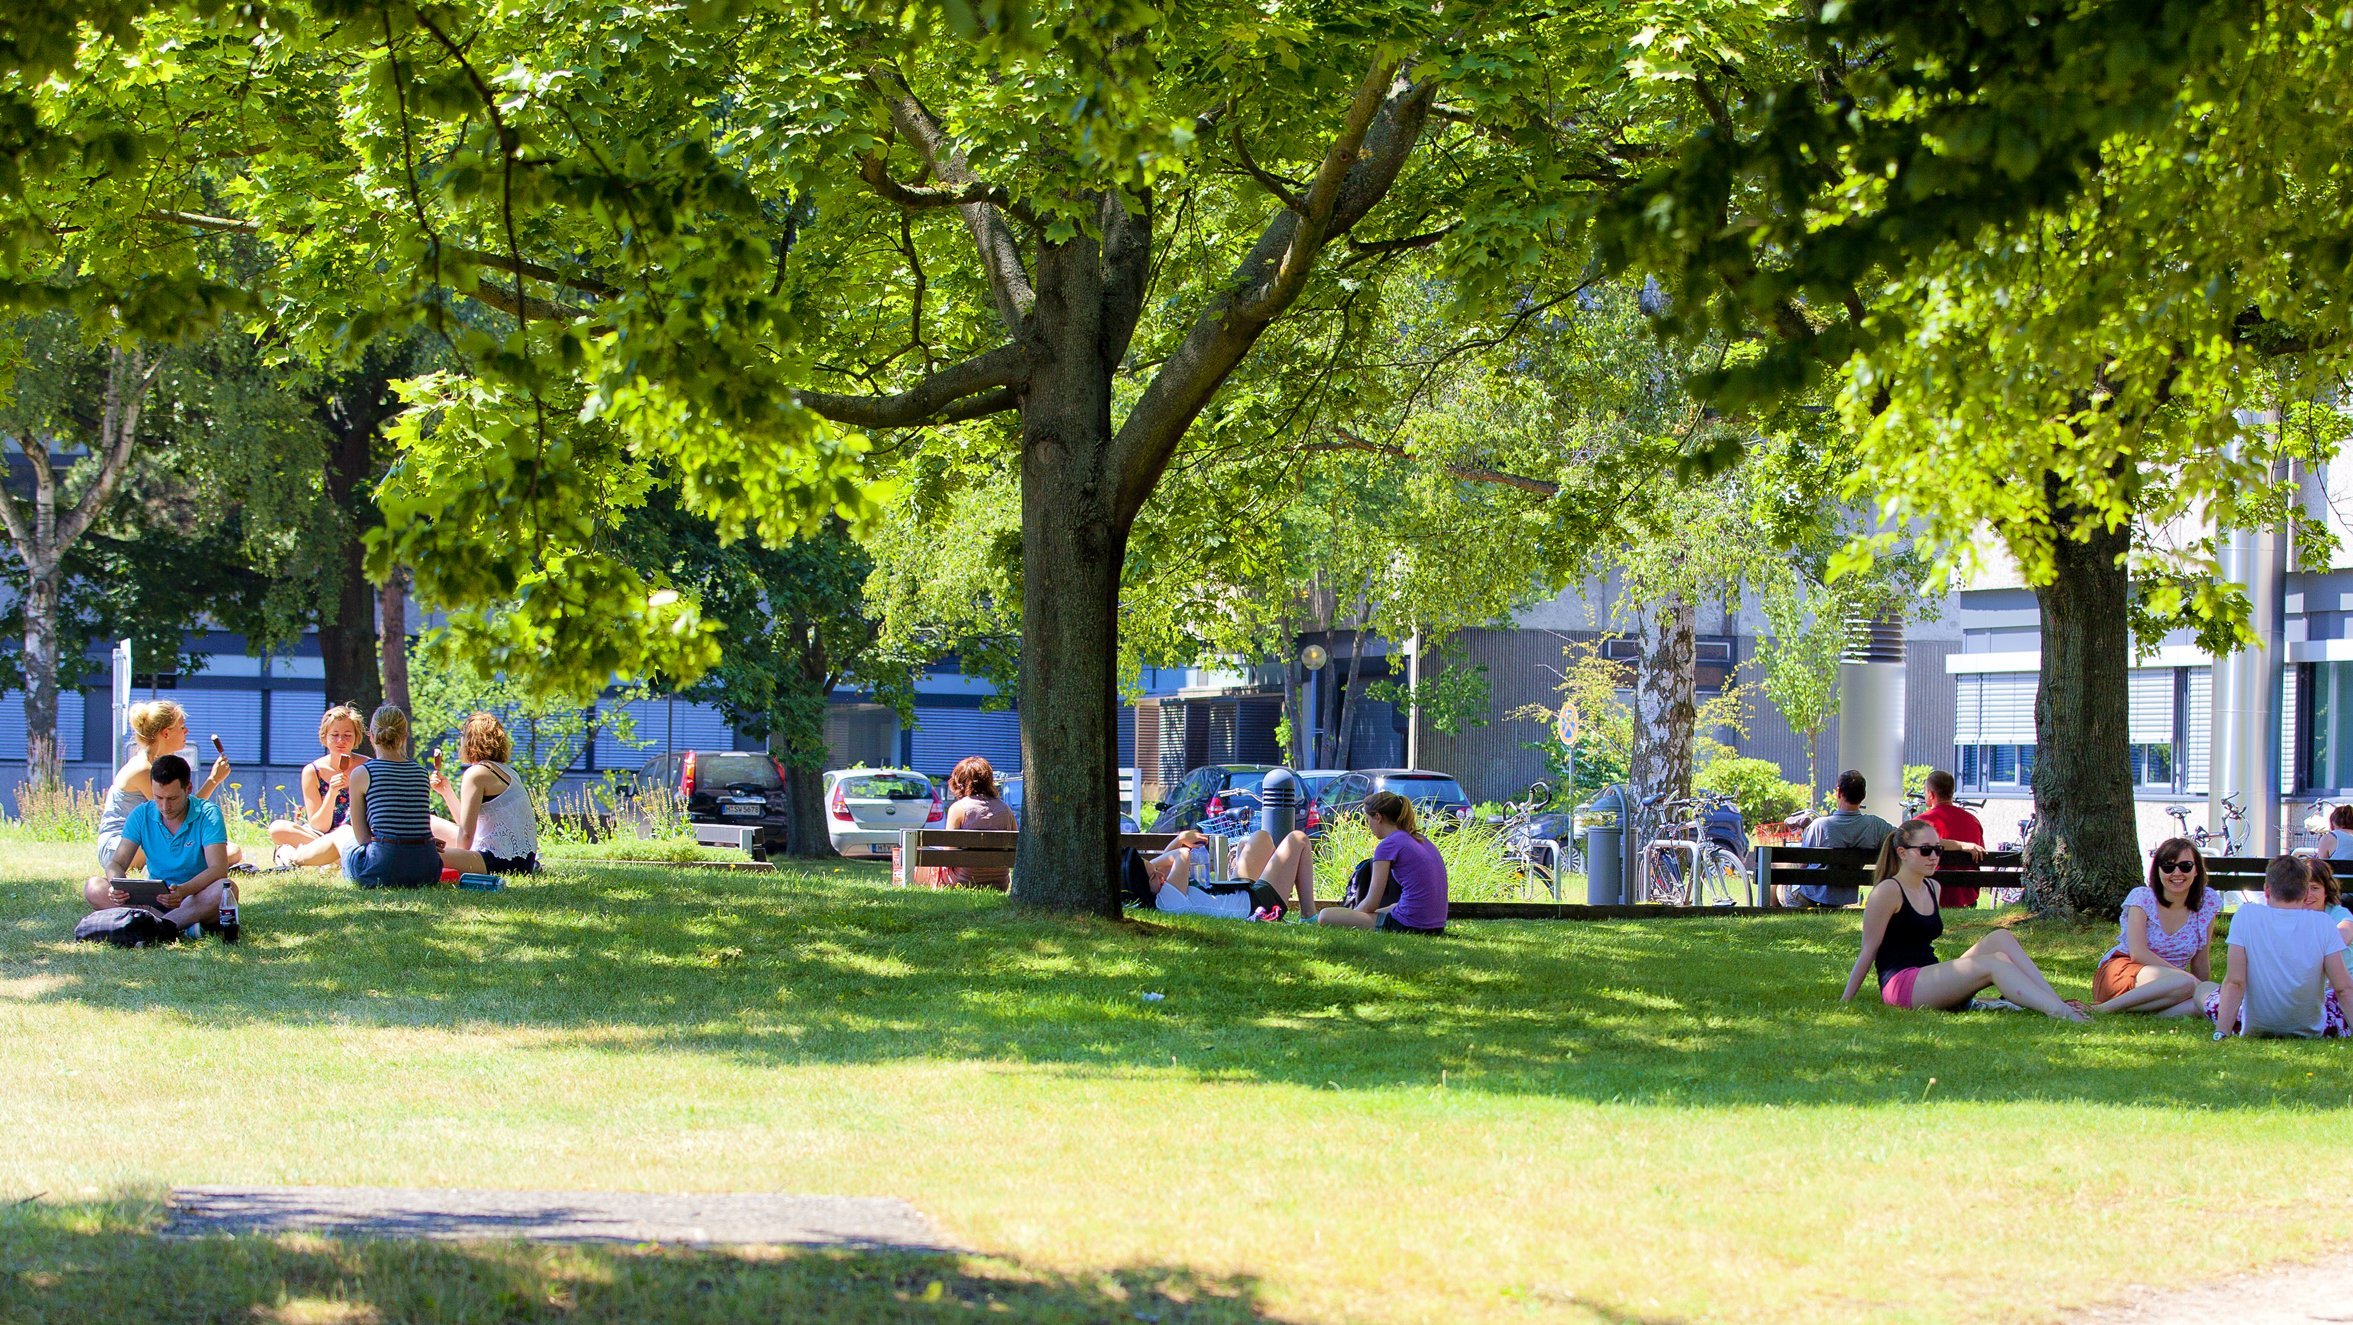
[1632,1121]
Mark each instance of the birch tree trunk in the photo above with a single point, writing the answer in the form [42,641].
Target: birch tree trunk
[1665,708]
[43,767]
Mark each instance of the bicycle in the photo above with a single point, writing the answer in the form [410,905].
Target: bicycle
[2315,827]
[1527,843]
[1715,870]
[2233,836]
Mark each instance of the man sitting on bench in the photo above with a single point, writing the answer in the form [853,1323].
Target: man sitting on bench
[187,847]
[1846,827]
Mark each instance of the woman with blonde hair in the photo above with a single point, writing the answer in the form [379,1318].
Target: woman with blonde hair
[159,727]
[391,819]
[1901,924]
[491,806]
[325,784]
[1400,853]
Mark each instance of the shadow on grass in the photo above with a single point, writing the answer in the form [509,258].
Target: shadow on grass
[95,1263]
[828,966]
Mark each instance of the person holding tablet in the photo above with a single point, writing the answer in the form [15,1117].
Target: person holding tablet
[186,844]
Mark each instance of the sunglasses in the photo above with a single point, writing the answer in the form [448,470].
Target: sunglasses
[2178,866]
[1925,849]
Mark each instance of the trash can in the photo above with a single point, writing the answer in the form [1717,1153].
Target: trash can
[1605,868]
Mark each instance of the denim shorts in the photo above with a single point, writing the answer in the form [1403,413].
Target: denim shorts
[393,865]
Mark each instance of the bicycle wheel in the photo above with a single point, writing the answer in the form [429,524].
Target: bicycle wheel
[1721,879]
[1662,878]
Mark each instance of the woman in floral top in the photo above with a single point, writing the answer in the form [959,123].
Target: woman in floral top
[2164,945]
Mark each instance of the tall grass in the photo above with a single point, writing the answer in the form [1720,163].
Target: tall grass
[53,812]
[1475,868]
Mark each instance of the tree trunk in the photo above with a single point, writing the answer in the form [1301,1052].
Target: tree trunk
[348,647]
[1293,749]
[1666,683]
[394,601]
[1072,549]
[1344,734]
[804,760]
[2084,857]
[42,765]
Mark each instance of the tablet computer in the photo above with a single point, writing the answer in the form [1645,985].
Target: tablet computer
[144,892]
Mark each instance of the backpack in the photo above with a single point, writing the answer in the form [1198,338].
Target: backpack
[126,927]
[1361,882]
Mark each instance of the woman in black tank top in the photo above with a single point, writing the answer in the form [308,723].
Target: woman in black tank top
[1901,924]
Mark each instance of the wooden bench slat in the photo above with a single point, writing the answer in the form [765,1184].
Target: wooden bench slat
[1004,838]
[964,858]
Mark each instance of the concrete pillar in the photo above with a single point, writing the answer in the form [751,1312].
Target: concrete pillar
[2245,714]
[1871,712]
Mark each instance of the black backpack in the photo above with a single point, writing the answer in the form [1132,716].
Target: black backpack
[126,927]
[1361,882]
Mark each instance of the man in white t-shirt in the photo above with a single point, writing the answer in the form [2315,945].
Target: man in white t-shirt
[2287,971]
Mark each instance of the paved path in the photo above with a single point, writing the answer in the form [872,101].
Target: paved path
[613,1217]
[2302,1295]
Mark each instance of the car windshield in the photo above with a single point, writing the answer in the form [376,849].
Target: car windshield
[1426,788]
[1245,779]
[731,770]
[1319,783]
[887,787]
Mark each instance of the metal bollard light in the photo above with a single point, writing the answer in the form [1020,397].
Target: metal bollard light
[1278,803]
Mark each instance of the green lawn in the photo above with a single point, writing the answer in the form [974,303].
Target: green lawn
[1620,1122]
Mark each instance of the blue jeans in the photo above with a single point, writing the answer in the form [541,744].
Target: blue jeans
[393,865]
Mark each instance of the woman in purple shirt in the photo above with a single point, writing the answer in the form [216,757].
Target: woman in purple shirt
[1402,853]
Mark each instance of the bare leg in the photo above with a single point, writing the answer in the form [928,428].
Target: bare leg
[287,833]
[1346,917]
[2003,945]
[1291,872]
[463,861]
[1950,984]
[444,832]
[202,909]
[2158,989]
[318,851]
[99,893]
[236,855]
[1250,861]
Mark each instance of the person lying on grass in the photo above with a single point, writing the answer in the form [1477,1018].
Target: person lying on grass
[1403,854]
[1272,876]
[2165,939]
[1901,924]
[2285,974]
[185,842]
[492,807]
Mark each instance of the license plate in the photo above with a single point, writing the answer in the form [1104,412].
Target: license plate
[879,848]
[747,811]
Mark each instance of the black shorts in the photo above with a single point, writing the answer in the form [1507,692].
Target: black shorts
[1392,923]
[527,863]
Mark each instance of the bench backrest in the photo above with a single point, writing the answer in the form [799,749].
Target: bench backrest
[1850,867]
[992,848]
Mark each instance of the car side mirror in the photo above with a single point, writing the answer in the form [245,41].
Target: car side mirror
[1158,806]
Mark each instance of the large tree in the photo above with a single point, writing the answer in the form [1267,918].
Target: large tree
[2048,251]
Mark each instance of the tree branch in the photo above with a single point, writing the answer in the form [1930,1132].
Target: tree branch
[929,399]
[876,172]
[1358,172]
[512,266]
[122,416]
[1284,190]
[1348,441]
[1000,253]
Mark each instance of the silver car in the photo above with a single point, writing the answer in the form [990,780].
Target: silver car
[867,808]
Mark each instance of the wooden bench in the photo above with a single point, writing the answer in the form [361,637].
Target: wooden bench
[992,849]
[1850,867]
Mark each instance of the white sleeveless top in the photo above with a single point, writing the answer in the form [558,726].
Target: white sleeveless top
[505,825]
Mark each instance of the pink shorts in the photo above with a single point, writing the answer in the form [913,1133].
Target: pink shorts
[1896,990]
[2332,1017]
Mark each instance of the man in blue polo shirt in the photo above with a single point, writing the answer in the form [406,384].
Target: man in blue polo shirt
[187,846]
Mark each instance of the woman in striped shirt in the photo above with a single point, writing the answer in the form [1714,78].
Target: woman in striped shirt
[390,817]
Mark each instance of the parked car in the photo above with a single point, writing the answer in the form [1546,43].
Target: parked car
[867,808]
[1328,793]
[741,788]
[1210,789]
[1436,797]
[1009,789]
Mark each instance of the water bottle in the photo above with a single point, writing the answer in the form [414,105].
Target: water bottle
[226,922]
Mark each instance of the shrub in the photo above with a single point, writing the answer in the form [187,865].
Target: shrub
[1755,785]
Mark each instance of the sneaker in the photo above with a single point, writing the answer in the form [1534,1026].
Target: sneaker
[248,867]
[1993,1005]
[282,858]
